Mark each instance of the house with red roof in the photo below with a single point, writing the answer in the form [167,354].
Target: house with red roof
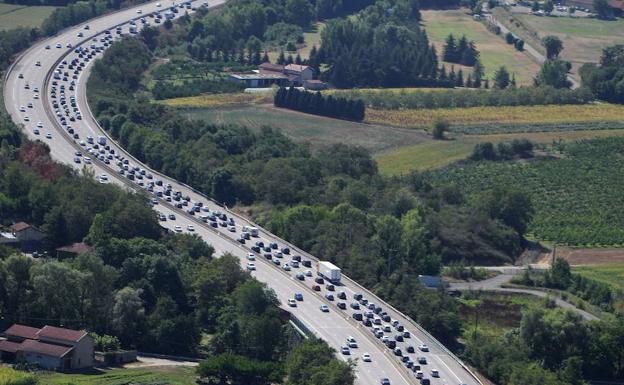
[28,237]
[50,347]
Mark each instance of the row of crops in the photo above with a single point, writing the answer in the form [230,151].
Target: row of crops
[578,198]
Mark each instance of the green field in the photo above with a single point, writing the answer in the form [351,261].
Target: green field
[171,375]
[494,51]
[12,16]
[576,194]
[434,154]
[316,130]
[613,275]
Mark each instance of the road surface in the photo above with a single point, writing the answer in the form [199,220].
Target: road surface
[334,326]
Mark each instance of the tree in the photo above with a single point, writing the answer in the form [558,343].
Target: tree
[560,274]
[510,38]
[548,7]
[299,12]
[553,46]
[553,73]
[450,49]
[512,207]
[501,78]
[519,45]
[438,128]
[602,9]
[535,6]
[129,315]
[310,363]
[477,74]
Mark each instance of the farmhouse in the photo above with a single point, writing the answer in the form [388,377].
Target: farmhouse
[297,74]
[50,347]
[24,236]
[260,80]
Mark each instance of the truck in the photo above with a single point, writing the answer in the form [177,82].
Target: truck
[253,231]
[329,271]
[102,140]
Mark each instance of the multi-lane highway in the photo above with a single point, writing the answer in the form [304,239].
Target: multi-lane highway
[53,108]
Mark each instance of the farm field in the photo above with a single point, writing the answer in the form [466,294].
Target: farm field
[15,15]
[583,38]
[494,51]
[172,375]
[434,154]
[516,115]
[316,130]
[220,100]
[576,196]
[612,275]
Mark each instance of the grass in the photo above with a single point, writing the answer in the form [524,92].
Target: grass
[612,275]
[10,376]
[316,130]
[555,114]
[220,100]
[170,375]
[494,51]
[311,37]
[13,16]
[436,154]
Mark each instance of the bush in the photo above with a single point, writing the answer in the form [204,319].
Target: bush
[509,38]
[519,45]
[10,376]
[439,127]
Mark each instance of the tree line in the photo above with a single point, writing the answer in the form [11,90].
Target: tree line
[517,148]
[605,80]
[461,51]
[315,103]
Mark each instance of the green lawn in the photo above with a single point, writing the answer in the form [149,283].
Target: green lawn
[12,16]
[612,275]
[316,130]
[494,51]
[170,375]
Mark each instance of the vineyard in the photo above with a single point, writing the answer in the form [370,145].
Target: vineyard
[495,116]
[220,100]
[577,198]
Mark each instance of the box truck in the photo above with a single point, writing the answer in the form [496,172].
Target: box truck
[329,271]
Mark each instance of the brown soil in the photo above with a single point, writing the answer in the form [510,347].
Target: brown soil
[591,256]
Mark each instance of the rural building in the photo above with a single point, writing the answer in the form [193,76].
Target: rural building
[314,85]
[29,237]
[72,250]
[50,347]
[9,239]
[297,74]
[260,80]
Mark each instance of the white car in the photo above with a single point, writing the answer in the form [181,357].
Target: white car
[30,105]
[48,136]
[158,5]
[366,357]
[26,118]
[20,76]
[292,302]
[87,160]
[251,266]
[36,96]
[251,257]
[22,109]
[139,11]
[232,229]
[286,267]
[178,229]
[58,45]
[190,228]
[39,124]
[424,348]
[324,308]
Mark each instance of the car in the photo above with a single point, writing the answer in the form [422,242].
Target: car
[178,229]
[139,11]
[397,352]
[316,288]
[162,217]
[26,118]
[59,45]
[299,296]
[48,136]
[385,381]
[351,342]
[330,287]
[36,131]
[357,316]
[20,76]
[324,308]
[251,256]
[419,374]
[424,348]
[190,228]
[292,302]
[80,34]
[308,273]
[330,297]
[345,350]
[435,373]
[22,109]
[422,360]
[319,280]
[300,276]
[341,305]
[355,305]
[286,267]
[232,229]
[172,217]
[276,262]
[366,357]
[425,381]
[342,295]
[410,349]
[251,266]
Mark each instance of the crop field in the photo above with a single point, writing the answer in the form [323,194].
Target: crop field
[577,196]
[583,38]
[439,153]
[316,130]
[172,375]
[612,275]
[494,51]
[516,115]
[13,15]
[220,100]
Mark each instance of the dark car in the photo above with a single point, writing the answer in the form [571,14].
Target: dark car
[399,337]
[342,295]
[357,316]
[330,297]
[316,288]
[254,248]
[296,258]
[355,305]
[330,287]
[341,305]
[410,349]
[285,250]
[319,280]
[307,263]
[422,360]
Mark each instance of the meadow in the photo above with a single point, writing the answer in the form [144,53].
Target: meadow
[495,116]
[14,15]
[576,193]
[171,375]
[494,51]
[612,275]
[9,376]
[316,130]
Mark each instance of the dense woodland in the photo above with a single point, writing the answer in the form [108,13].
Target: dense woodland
[607,79]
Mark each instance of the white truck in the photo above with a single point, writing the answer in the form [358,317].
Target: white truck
[329,271]
[253,231]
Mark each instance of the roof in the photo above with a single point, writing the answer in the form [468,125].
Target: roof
[22,331]
[76,248]
[61,334]
[295,67]
[618,4]
[33,346]
[9,347]
[258,76]
[19,226]
[271,67]
[315,81]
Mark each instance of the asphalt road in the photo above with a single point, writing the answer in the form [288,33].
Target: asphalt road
[333,326]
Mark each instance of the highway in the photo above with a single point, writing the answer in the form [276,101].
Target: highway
[43,109]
